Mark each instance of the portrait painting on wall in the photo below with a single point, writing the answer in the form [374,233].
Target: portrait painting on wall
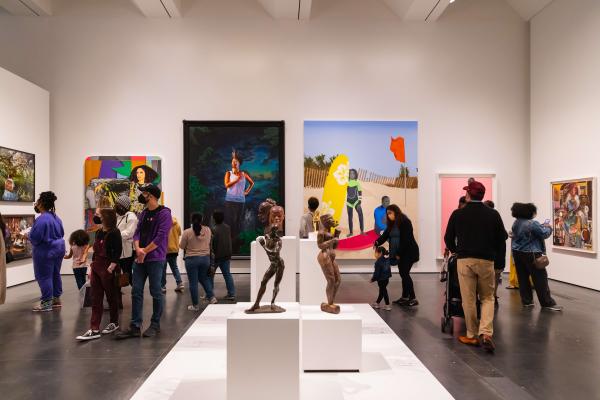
[356,169]
[450,190]
[17,243]
[109,177]
[574,214]
[17,175]
[233,166]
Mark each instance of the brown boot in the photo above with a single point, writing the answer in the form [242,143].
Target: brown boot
[487,343]
[467,340]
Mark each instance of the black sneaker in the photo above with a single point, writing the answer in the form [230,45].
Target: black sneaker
[89,335]
[129,333]
[411,303]
[151,331]
[528,305]
[555,307]
[401,301]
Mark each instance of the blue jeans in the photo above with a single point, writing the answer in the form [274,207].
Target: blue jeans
[172,261]
[153,271]
[47,275]
[80,276]
[224,266]
[197,271]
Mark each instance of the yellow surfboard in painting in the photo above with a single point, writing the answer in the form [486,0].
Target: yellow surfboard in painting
[336,183]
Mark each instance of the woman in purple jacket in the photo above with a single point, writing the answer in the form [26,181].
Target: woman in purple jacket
[47,239]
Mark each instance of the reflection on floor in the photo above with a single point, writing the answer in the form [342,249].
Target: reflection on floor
[540,355]
[198,362]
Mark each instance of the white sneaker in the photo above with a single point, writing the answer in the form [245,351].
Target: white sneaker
[375,305]
[90,335]
[192,307]
[213,300]
[110,328]
[387,307]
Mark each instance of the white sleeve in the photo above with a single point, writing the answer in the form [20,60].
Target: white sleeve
[130,226]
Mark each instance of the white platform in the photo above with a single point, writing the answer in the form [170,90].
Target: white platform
[331,342]
[196,366]
[312,280]
[259,263]
[263,354]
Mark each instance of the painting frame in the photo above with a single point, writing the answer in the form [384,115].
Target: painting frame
[29,248]
[438,199]
[33,193]
[190,124]
[592,202]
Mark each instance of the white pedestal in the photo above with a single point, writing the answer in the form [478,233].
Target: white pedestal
[312,280]
[259,263]
[331,342]
[263,354]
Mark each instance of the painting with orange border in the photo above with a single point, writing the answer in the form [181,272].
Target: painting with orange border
[350,166]
[109,177]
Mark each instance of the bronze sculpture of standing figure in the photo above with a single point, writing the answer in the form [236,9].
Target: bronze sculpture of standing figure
[327,243]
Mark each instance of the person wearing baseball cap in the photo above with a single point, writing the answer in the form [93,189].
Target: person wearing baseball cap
[477,235]
[150,243]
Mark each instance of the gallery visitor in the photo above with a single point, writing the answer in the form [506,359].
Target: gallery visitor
[528,238]
[150,244]
[103,274]
[382,274]
[307,221]
[126,223]
[379,215]
[47,238]
[172,254]
[79,245]
[475,233]
[222,252]
[238,185]
[195,243]
[354,202]
[499,261]
[403,249]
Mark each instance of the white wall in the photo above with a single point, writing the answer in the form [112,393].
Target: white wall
[122,84]
[24,125]
[565,87]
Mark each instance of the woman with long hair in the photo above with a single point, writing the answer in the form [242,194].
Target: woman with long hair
[140,176]
[403,249]
[46,237]
[195,243]
[103,275]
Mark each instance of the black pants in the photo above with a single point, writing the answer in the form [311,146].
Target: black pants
[234,214]
[126,264]
[408,289]
[525,269]
[361,221]
[383,293]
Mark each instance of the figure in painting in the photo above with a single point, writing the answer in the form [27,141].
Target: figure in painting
[10,193]
[327,243]
[238,185]
[354,201]
[140,176]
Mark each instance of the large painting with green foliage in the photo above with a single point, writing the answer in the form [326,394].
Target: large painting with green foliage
[17,175]
[215,154]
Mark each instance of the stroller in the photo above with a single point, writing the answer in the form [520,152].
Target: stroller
[453,299]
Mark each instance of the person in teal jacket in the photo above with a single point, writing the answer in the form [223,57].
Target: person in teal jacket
[353,202]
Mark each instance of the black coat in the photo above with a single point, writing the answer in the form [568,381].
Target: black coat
[407,250]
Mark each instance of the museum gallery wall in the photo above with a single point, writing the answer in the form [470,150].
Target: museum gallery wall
[17,175]
[573,213]
[450,190]
[108,177]
[350,165]
[233,166]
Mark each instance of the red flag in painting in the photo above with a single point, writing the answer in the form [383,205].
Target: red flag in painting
[397,147]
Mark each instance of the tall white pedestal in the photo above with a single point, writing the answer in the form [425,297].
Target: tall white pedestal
[331,342]
[259,263]
[312,280]
[263,354]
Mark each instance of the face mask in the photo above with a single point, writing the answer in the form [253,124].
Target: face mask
[36,209]
[97,220]
[142,199]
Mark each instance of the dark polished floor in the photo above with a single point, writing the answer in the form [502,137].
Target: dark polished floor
[541,355]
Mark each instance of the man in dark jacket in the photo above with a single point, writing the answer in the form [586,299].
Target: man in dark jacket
[222,249]
[477,235]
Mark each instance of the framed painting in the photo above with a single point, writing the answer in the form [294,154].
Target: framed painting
[17,176]
[18,243]
[233,166]
[574,215]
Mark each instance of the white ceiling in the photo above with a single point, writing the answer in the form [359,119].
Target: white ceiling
[407,10]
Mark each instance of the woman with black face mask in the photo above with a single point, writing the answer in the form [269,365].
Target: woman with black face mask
[46,237]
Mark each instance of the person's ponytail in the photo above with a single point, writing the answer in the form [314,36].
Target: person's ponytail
[197,223]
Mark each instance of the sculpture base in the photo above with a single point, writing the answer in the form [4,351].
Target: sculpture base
[270,309]
[330,308]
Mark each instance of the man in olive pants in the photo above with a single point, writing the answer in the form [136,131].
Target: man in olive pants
[477,235]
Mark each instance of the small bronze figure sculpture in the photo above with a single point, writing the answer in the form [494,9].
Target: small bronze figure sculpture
[269,214]
[327,243]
